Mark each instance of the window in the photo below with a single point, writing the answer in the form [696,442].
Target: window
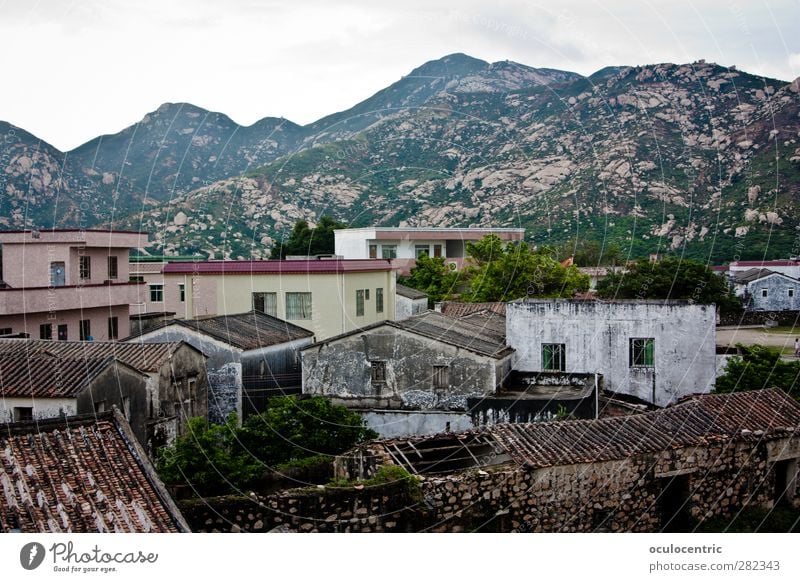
[764,293]
[136,279]
[113,328]
[266,303]
[378,371]
[437,250]
[85,329]
[5,331]
[298,305]
[46,331]
[420,250]
[642,354]
[23,413]
[441,377]
[388,251]
[379,300]
[554,357]
[62,332]
[85,267]
[113,272]
[100,406]
[57,274]
[182,293]
[156,292]
[373,251]
[360,302]
[366,294]
[790,293]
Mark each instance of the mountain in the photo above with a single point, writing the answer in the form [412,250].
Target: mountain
[694,158]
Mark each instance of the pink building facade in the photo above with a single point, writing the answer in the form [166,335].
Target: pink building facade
[67,284]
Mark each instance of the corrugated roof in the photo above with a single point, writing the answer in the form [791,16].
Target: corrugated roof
[143,357]
[410,292]
[80,475]
[755,415]
[246,331]
[276,267]
[42,375]
[755,274]
[456,309]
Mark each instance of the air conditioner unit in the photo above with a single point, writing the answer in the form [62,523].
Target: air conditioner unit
[453,266]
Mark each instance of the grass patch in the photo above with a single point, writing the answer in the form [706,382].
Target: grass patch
[784,330]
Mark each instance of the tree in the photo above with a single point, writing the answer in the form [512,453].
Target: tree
[760,367]
[590,253]
[432,276]
[309,241]
[670,278]
[504,272]
[218,459]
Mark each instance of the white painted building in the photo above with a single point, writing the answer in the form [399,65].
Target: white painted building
[404,245]
[656,351]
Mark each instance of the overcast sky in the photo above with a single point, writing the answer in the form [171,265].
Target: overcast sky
[74,70]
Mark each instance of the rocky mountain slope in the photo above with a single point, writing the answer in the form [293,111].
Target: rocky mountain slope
[692,158]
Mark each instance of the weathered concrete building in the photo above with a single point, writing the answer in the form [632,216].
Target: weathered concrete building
[251,356]
[666,470]
[657,351]
[81,475]
[409,302]
[765,290]
[412,376]
[176,383]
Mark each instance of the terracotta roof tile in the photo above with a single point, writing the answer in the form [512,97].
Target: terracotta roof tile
[43,375]
[80,475]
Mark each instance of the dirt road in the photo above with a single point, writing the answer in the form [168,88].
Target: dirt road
[730,336]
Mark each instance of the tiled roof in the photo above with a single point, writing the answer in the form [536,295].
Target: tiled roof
[276,267]
[700,420]
[456,309]
[81,474]
[410,292]
[41,375]
[143,357]
[246,331]
[475,335]
[751,275]
[783,263]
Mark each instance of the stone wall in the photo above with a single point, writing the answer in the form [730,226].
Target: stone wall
[760,318]
[626,495]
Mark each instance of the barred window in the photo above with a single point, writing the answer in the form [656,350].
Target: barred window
[378,373]
[298,305]
[554,357]
[85,267]
[379,300]
[266,302]
[441,377]
[642,352]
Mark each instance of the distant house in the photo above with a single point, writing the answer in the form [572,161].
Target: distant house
[325,296]
[404,245]
[41,385]
[766,290]
[412,376]
[657,351]
[81,475]
[789,267]
[409,302]
[251,356]
[176,381]
[458,309]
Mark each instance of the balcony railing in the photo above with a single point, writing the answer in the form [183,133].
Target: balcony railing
[15,301]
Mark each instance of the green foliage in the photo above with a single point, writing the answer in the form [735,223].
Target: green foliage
[208,459]
[670,278]
[300,433]
[432,276]
[755,519]
[760,367]
[590,253]
[309,241]
[386,474]
[504,272]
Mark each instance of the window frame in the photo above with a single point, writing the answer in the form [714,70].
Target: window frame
[372,251]
[377,371]
[388,251]
[379,300]
[306,312]
[19,416]
[790,293]
[556,355]
[182,292]
[440,377]
[48,335]
[642,352]
[764,293]
[156,292]
[262,295]
[84,329]
[65,328]
[360,303]
[419,250]
[113,327]
[84,267]
[113,260]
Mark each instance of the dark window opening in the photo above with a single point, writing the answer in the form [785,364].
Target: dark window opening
[100,406]
[266,302]
[113,327]
[674,501]
[85,267]
[23,413]
[182,293]
[6,331]
[441,377]
[62,332]
[113,271]
[85,330]
[359,302]
[785,481]
[379,300]
[46,331]
[378,371]
[156,292]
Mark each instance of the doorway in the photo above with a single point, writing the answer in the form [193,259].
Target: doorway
[785,481]
[674,500]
